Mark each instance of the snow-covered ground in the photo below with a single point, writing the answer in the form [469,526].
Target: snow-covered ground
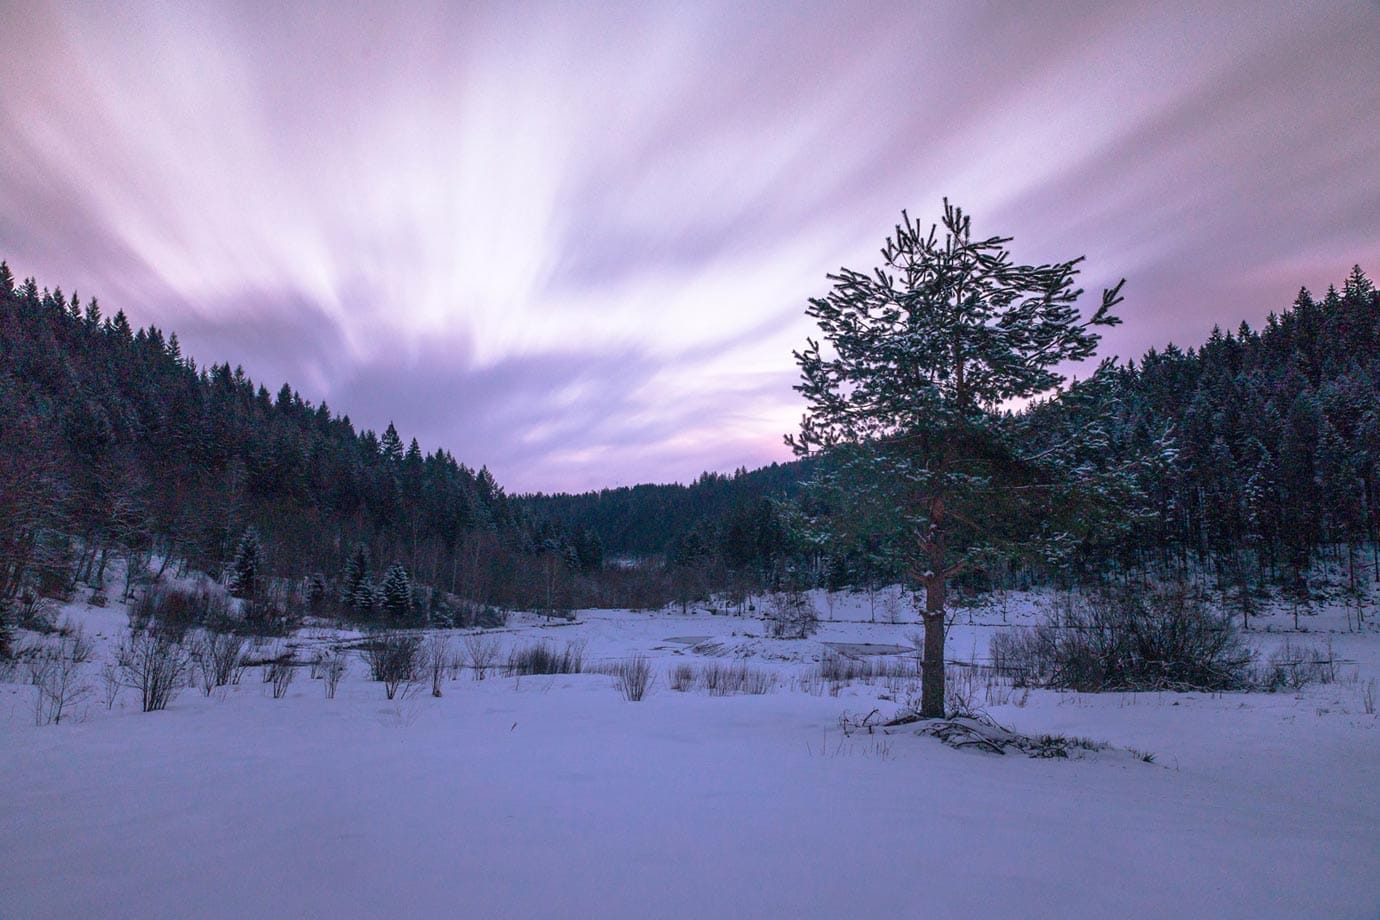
[554,797]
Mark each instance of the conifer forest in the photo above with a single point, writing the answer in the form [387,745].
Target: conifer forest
[1240,462]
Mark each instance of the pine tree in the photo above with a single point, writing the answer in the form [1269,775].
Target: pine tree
[923,351]
[397,592]
[589,551]
[316,590]
[391,446]
[286,400]
[356,572]
[366,595]
[120,327]
[1301,498]
[246,570]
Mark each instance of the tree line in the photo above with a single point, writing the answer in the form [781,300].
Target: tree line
[1246,460]
[1260,449]
[116,445]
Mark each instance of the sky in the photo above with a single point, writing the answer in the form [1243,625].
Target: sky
[575,242]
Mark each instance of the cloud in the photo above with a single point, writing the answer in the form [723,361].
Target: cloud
[576,245]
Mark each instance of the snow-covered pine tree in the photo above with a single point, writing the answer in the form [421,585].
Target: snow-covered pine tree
[391,447]
[922,354]
[356,571]
[245,570]
[316,590]
[366,595]
[1299,482]
[397,591]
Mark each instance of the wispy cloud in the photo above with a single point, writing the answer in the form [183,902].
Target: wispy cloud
[575,244]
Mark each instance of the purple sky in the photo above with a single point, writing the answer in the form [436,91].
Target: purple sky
[574,241]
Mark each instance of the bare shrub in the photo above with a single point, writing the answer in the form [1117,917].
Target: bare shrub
[33,610]
[154,665]
[897,671]
[716,679]
[1164,638]
[393,659]
[453,611]
[436,657]
[456,664]
[488,617]
[838,671]
[237,673]
[57,677]
[274,612]
[756,682]
[266,664]
[217,657]
[77,645]
[810,683]
[280,675]
[901,681]
[728,679]
[998,690]
[634,677]
[170,610]
[110,683]
[836,668]
[961,686]
[542,658]
[893,606]
[790,615]
[333,666]
[1024,655]
[681,677]
[1293,667]
[482,651]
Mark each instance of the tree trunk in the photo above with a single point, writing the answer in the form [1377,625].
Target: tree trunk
[932,669]
[100,572]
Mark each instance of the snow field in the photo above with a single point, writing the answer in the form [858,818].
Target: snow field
[552,796]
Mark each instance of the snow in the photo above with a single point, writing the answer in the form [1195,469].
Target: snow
[554,797]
